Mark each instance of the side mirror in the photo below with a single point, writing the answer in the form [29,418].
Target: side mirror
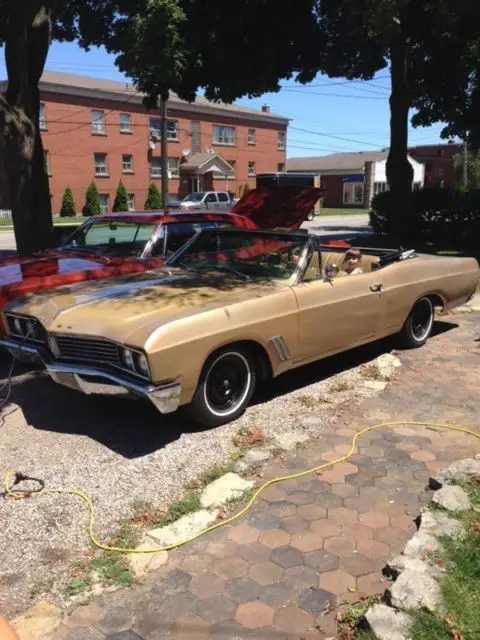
[331,271]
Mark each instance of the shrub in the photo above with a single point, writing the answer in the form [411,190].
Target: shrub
[92,201]
[444,217]
[154,199]
[68,209]
[245,189]
[121,198]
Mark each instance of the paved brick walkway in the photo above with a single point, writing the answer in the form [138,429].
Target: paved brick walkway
[311,544]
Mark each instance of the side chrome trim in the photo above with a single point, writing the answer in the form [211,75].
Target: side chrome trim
[281,347]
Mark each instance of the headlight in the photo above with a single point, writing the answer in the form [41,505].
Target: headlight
[17,325]
[127,357]
[142,365]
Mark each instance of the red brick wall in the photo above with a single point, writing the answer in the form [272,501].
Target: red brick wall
[438,160]
[71,147]
[334,187]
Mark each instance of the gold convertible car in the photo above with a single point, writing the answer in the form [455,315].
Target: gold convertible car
[230,308]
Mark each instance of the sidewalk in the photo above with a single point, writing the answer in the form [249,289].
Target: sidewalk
[315,543]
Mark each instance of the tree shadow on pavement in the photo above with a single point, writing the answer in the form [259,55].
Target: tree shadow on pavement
[134,428]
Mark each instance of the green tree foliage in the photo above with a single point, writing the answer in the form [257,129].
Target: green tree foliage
[154,199]
[245,189]
[121,198]
[473,170]
[68,209]
[92,201]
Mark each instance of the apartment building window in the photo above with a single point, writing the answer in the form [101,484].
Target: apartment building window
[156,129]
[380,187]
[98,122]
[127,163]
[223,135]
[131,202]
[280,167]
[46,160]
[439,173]
[125,123]
[42,117]
[101,164]
[156,168]
[173,168]
[252,169]
[251,136]
[428,165]
[281,140]
[104,202]
[353,193]
[231,175]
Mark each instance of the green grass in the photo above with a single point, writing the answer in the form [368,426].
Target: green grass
[6,223]
[340,385]
[426,626]
[344,211]
[371,372]
[188,504]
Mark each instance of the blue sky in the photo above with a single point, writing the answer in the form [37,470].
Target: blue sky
[328,116]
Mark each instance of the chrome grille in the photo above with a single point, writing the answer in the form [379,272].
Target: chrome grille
[92,350]
[28,328]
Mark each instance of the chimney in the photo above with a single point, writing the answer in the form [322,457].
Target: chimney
[266,108]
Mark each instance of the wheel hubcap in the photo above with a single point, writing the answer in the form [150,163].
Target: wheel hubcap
[421,319]
[227,384]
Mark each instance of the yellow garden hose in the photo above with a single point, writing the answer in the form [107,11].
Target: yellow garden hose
[20,495]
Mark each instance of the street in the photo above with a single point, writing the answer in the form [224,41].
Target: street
[331,224]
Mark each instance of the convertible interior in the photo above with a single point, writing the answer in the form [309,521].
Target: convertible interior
[368,263]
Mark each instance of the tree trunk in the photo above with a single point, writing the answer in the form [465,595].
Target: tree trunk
[164,148]
[399,169]
[26,48]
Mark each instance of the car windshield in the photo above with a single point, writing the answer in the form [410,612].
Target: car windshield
[196,196]
[246,253]
[112,238]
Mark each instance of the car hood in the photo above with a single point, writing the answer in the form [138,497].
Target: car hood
[271,207]
[130,308]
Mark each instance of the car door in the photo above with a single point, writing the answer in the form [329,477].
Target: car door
[335,315]
[210,201]
[224,203]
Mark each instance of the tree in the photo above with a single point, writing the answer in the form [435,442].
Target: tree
[68,209]
[472,170]
[121,198]
[154,199]
[245,189]
[92,201]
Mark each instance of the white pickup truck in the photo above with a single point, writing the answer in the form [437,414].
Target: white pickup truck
[212,200]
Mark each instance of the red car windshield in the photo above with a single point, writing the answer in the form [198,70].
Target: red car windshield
[118,238]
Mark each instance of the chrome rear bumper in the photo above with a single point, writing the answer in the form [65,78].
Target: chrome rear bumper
[165,398]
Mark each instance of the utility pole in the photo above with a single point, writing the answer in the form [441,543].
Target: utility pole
[164,147]
[465,165]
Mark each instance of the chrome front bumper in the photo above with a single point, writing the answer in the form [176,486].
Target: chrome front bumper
[165,398]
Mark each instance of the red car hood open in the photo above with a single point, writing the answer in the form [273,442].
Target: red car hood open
[272,207]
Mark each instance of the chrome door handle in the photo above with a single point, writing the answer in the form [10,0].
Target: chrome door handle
[376,287]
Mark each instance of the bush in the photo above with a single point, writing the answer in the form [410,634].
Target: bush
[68,209]
[92,201]
[444,217]
[246,189]
[154,199]
[121,198]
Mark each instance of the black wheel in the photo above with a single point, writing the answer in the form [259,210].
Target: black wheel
[311,216]
[225,388]
[418,325]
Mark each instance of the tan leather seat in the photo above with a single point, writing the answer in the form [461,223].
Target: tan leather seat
[313,270]
[367,263]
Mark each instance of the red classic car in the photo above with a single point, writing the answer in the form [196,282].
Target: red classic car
[116,244]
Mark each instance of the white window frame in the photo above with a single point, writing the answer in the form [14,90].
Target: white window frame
[42,117]
[46,160]
[352,187]
[281,140]
[98,122]
[125,126]
[280,164]
[155,125]
[223,135]
[104,202]
[125,168]
[99,167]
[131,201]
[251,169]
[379,187]
[252,136]
[174,168]
[156,171]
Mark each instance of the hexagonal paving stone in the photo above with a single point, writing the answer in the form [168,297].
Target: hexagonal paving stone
[121,635]
[372,451]
[266,573]
[337,581]
[275,538]
[283,509]
[294,524]
[372,584]
[326,528]
[422,456]
[300,577]
[214,610]
[254,552]
[207,584]
[230,568]
[373,549]
[322,561]
[343,516]
[328,500]
[301,497]
[315,600]
[359,504]
[287,557]
[312,512]
[243,534]
[197,562]
[263,521]
[223,548]
[115,619]
[273,494]
[192,627]
[356,564]
[242,590]
[276,595]
[403,522]
[357,532]
[344,490]
[293,620]
[339,545]
[176,581]
[307,541]
[396,539]
[255,615]
[374,520]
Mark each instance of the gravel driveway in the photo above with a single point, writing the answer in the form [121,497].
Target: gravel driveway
[119,451]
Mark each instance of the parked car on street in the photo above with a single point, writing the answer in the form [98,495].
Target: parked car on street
[230,308]
[210,200]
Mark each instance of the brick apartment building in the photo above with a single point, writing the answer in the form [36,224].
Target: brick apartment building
[438,161]
[99,130]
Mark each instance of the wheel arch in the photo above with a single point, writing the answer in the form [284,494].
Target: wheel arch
[263,363]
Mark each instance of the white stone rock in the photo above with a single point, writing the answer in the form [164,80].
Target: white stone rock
[402,563]
[459,471]
[376,385]
[421,545]
[290,439]
[416,590]
[436,523]
[388,624]
[253,458]
[229,487]
[183,528]
[386,364]
[142,563]
[452,498]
